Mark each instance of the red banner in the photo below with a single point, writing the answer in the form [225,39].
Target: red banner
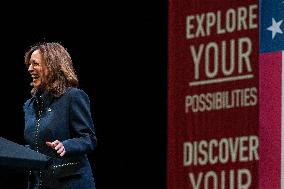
[213,94]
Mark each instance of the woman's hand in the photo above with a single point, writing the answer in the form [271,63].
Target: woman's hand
[58,146]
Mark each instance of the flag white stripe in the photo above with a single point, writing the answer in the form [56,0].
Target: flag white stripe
[282,123]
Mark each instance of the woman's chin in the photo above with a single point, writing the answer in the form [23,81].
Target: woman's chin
[36,85]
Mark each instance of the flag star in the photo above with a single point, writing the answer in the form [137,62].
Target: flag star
[275,27]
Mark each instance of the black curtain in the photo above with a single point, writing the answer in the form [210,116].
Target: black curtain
[119,50]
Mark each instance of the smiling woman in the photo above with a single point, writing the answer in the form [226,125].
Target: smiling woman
[37,69]
[58,120]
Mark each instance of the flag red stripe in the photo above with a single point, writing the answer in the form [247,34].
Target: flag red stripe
[270,69]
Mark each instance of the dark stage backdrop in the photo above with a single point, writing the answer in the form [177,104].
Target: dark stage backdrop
[119,52]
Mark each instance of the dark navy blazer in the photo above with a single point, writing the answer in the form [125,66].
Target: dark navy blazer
[68,119]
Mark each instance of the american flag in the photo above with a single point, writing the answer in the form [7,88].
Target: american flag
[271,94]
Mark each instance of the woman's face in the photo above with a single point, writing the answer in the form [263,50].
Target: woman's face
[38,69]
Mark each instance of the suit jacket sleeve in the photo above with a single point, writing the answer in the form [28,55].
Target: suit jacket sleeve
[83,138]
